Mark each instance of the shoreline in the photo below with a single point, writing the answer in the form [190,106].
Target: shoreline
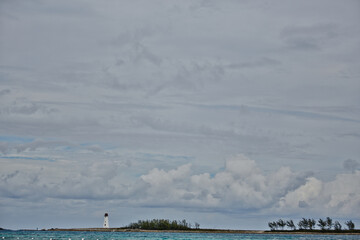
[314,232]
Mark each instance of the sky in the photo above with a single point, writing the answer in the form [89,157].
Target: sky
[226,113]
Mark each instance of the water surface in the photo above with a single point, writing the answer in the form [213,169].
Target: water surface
[55,235]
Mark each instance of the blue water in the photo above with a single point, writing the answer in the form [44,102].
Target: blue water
[42,235]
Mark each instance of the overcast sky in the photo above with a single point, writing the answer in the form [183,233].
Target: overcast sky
[226,113]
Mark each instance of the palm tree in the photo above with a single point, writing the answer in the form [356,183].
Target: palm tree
[337,226]
[197,225]
[272,225]
[303,224]
[311,223]
[350,225]
[290,224]
[322,224]
[281,223]
[329,223]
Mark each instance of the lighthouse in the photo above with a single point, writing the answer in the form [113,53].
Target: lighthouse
[106,220]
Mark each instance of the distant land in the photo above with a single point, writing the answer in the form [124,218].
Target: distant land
[327,232]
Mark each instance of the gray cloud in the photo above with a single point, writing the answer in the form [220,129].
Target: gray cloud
[264,62]
[303,204]
[4,148]
[351,165]
[312,37]
[95,148]
[4,92]
[26,108]
[32,146]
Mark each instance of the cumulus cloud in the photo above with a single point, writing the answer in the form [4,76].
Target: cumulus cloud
[241,185]
[303,196]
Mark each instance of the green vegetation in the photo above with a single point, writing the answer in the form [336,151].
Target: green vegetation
[309,225]
[306,224]
[350,225]
[290,224]
[329,223]
[162,224]
[322,224]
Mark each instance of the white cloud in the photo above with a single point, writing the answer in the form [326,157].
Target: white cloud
[343,193]
[303,196]
[240,186]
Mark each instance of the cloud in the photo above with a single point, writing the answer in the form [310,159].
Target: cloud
[343,194]
[243,186]
[4,92]
[137,36]
[340,196]
[313,37]
[301,197]
[95,148]
[17,148]
[189,76]
[34,145]
[24,107]
[263,62]
[240,186]
[4,147]
[351,165]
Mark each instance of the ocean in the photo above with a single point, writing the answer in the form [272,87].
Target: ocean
[50,235]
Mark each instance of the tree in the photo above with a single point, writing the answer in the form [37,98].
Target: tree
[197,225]
[337,226]
[311,223]
[322,224]
[184,224]
[273,226]
[281,223]
[174,225]
[160,224]
[290,224]
[350,225]
[303,224]
[329,223]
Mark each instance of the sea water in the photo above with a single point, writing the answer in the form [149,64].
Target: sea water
[47,235]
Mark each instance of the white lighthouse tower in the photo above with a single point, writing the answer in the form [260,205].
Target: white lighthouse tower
[106,220]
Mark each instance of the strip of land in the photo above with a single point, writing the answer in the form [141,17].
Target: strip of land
[344,232]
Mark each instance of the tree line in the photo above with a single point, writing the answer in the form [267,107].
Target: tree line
[310,224]
[162,224]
